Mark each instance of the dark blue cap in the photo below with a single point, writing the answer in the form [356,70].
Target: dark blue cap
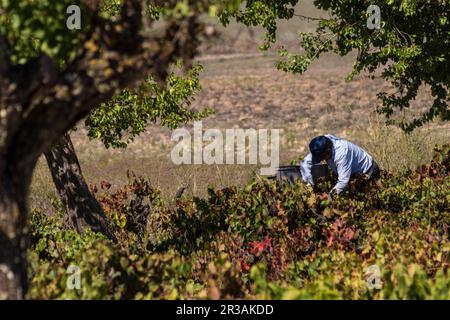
[318,146]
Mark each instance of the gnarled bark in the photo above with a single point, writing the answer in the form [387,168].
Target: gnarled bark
[14,182]
[83,210]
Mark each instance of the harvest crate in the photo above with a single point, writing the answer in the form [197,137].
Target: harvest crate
[292,174]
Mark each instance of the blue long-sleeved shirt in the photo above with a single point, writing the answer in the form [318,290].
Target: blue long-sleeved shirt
[346,159]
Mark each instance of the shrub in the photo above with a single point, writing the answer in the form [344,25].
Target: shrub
[267,240]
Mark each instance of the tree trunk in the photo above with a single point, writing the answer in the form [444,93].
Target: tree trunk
[14,185]
[83,210]
[39,102]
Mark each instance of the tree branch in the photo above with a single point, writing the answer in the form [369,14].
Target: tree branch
[114,56]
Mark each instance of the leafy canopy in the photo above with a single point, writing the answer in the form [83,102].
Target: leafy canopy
[34,27]
[127,115]
[411,48]
[31,28]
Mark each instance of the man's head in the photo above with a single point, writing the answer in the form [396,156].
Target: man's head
[320,148]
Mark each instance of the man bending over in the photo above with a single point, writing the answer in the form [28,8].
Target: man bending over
[343,158]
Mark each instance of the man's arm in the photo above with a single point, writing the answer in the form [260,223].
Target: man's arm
[343,164]
[305,169]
